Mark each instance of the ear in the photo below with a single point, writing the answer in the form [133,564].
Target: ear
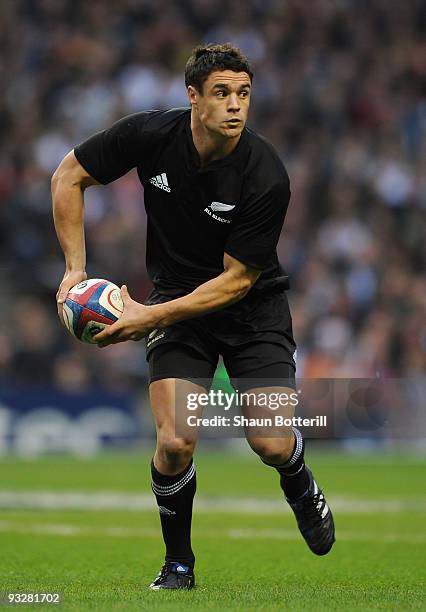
[192,95]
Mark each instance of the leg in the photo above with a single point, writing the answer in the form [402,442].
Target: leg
[280,446]
[173,471]
[172,468]
[172,454]
[258,368]
[306,499]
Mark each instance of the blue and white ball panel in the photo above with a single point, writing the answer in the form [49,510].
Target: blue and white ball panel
[69,318]
[90,306]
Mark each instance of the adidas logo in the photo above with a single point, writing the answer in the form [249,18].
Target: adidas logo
[220,206]
[161,182]
[152,334]
[164,510]
[321,504]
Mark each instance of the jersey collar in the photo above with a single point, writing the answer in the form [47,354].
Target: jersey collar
[236,158]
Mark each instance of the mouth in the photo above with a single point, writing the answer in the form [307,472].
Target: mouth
[233,121]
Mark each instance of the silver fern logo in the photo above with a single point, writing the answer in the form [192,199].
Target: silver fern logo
[221,207]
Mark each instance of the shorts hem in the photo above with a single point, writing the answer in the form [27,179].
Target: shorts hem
[177,377]
[245,381]
[180,343]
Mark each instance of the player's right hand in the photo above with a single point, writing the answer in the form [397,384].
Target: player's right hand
[70,279]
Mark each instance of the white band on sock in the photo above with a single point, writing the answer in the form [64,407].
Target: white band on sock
[297,450]
[165,490]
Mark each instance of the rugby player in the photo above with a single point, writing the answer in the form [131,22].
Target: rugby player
[216,195]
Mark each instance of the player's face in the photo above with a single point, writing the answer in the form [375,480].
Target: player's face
[223,105]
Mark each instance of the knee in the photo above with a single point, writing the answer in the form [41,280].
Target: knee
[273,450]
[175,452]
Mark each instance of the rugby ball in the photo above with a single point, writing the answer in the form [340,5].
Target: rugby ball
[90,306]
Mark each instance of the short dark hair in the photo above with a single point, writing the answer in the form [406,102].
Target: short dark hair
[206,59]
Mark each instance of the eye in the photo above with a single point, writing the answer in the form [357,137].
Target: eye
[244,93]
[221,93]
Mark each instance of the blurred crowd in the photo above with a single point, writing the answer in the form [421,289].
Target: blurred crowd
[339,89]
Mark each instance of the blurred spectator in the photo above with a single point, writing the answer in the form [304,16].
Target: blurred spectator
[339,89]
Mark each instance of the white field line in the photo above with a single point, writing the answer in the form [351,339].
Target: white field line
[233,534]
[113,500]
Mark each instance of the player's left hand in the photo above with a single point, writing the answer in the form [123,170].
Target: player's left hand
[134,324]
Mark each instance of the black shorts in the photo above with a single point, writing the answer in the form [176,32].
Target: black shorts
[254,337]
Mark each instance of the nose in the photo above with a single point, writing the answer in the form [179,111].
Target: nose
[233,102]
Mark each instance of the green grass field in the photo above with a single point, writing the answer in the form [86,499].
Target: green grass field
[250,555]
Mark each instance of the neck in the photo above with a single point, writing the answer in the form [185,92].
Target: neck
[210,145]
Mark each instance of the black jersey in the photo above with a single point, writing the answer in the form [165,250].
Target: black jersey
[235,205]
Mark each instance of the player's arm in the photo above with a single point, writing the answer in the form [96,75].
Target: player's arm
[101,159]
[68,184]
[230,286]
[138,320]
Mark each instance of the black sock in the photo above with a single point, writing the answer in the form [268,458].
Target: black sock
[294,479]
[175,495]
